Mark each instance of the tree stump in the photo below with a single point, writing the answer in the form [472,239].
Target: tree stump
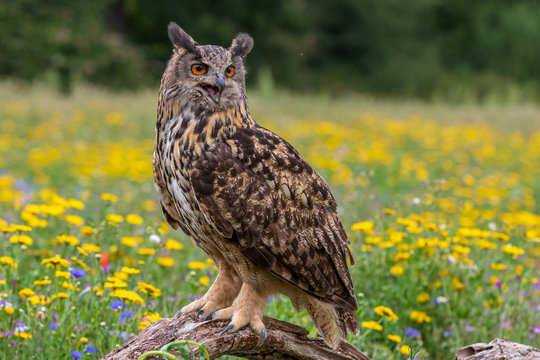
[284,341]
[498,349]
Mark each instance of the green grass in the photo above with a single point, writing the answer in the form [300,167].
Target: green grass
[439,201]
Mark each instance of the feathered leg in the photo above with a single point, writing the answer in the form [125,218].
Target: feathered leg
[220,295]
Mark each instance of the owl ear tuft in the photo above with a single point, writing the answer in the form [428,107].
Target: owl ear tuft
[181,39]
[241,45]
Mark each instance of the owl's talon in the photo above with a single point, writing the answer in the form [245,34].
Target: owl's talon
[209,316]
[199,313]
[265,335]
[178,313]
[229,327]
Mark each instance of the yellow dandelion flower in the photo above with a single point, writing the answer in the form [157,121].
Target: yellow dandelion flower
[146,251]
[21,239]
[109,197]
[23,335]
[405,349]
[165,261]
[372,325]
[400,256]
[121,275]
[9,310]
[134,219]
[23,228]
[82,251]
[64,274]
[99,291]
[386,312]
[397,270]
[6,260]
[87,230]
[42,282]
[74,220]
[40,300]
[83,340]
[458,285]
[62,295]
[128,241]
[148,318]
[197,265]
[75,204]
[394,338]
[148,289]
[365,226]
[55,262]
[113,282]
[173,245]
[91,248]
[204,280]
[513,250]
[128,295]
[130,270]
[419,316]
[498,267]
[67,239]
[26,292]
[114,218]
[423,298]
[389,211]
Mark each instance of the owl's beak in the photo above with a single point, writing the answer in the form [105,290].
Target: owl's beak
[215,90]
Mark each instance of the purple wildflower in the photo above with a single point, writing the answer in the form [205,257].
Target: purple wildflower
[410,332]
[498,284]
[77,273]
[535,329]
[76,355]
[53,326]
[117,304]
[126,315]
[470,328]
[91,349]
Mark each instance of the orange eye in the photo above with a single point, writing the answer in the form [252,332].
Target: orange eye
[199,69]
[229,71]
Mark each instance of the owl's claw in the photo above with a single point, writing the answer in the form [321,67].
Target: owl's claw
[177,313]
[229,327]
[265,335]
[199,313]
[209,316]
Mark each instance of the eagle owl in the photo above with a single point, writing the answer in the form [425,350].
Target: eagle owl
[246,197]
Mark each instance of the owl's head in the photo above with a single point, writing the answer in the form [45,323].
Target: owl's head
[207,75]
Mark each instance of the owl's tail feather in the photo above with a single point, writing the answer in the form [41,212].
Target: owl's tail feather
[332,323]
[347,322]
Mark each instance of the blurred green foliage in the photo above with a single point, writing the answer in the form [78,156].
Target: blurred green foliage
[446,49]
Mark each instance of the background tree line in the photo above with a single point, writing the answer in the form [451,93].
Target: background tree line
[454,49]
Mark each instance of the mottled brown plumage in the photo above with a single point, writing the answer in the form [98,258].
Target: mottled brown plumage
[246,196]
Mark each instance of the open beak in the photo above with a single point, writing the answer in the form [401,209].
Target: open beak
[215,90]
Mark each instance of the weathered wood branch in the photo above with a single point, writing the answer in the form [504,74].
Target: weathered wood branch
[285,341]
[498,349]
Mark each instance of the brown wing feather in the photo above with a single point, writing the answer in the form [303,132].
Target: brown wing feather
[258,191]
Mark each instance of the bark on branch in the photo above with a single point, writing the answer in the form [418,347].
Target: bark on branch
[498,349]
[285,341]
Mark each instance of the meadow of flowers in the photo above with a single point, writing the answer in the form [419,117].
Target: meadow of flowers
[443,218]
